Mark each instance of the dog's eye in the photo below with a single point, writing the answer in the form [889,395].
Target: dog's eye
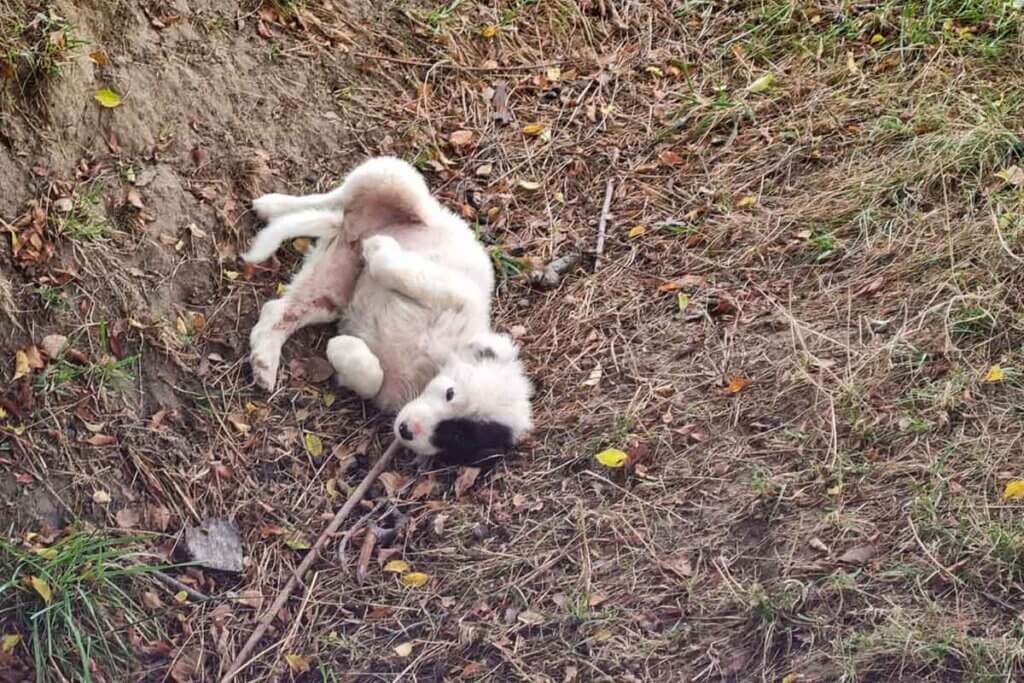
[450,394]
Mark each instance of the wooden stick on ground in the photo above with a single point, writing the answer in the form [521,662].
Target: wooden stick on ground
[263,624]
[602,223]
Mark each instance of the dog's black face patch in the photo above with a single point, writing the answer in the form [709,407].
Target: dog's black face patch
[462,441]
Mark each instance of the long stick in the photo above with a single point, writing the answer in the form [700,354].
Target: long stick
[240,662]
[602,223]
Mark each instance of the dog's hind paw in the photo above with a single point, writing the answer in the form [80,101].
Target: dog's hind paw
[271,205]
[378,246]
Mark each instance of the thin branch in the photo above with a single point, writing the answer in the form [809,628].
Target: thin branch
[602,223]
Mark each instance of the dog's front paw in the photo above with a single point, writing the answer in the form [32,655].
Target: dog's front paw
[377,247]
[271,205]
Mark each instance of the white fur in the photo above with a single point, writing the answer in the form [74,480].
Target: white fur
[412,285]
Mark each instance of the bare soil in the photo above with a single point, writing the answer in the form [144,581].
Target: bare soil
[805,329]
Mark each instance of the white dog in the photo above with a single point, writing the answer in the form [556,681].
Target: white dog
[412,286]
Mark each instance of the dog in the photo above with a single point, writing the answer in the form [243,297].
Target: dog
[412,287]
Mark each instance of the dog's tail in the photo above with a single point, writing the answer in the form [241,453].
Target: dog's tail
[309,223]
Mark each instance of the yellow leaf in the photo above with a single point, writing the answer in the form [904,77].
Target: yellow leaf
[397,566]
[529,185]
[654,71]
[329,399]
[297,541]
[682,301]
[851,64]
[736,384]
[744,202]
[791,678]
[46,553]
[231,275]
[612,457]
[638,230]
[281,288]
[298,663]
[108,98]
[762,84]
[877,38]
[1014,490]
[42,588]
[181,597]
[553,73]
[20,364]
[101,497]
[314,446]
[835,490]
[9,642]
[489,31]
[403,650]
[995,374]
[534,129]
[331,486]
[415,579]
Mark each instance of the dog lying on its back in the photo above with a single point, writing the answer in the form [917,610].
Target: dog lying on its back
[412,286]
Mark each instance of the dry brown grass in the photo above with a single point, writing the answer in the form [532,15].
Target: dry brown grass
[839,517]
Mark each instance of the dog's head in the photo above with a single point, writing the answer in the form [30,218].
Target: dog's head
[477,406]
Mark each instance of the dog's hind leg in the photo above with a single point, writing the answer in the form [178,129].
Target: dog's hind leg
[275,205]
[317,295]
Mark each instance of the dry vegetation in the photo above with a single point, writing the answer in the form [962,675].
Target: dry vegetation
[806,329]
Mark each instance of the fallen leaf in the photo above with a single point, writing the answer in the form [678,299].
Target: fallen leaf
[762,84]
[9,641]
[859,554]
[529,185]
[461,138]
[534,129]
[685,282]
[397,566]
[314,446]
[746,202]
[489,31]
[21,368]
[415,579]
[403,650]
[297,541]
[181,597]
[392,482]
[995,374]
[298,663]
[101,497]
[317,370]
[851,64]
[159,517]
[108,98]
[1013,175]
[466,479]
[54,345]
[100,440]
[637,231]
[612,457]
[472,669]
[737,384]
[42,588]
[594,378]
[151,600]
[531,617]
[670,158]
[818,545]
[251,598]
[791,678]
[99,57]
[484,170]
[128,518]
[682,301]
[423,488]
[1014,490]
[679,564]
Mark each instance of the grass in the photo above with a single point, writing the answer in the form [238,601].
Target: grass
[35,44]
[87,220]
[74,606]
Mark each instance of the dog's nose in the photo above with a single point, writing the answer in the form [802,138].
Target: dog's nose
[404,432]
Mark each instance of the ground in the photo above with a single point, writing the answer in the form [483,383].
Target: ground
[804,329]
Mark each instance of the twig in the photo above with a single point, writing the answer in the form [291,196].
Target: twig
[263,624]
[1002,240]
[458,67]
[172,582]
[602,223]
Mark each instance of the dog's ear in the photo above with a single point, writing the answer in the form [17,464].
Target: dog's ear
[499,347]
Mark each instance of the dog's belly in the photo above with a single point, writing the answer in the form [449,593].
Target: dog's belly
[411,341]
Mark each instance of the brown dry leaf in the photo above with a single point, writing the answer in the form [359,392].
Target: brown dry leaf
[472,669]
[684,282]
[99,57]
[461,138]
[467,477]
[159,517]
[859,554]
[423,488]
[100,440]
[128,518]
[54,345]
[737,384]
[35,359]
[151,600]
[1013,175]
[251,598]
[679,564]
[670,158]
[392,482]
